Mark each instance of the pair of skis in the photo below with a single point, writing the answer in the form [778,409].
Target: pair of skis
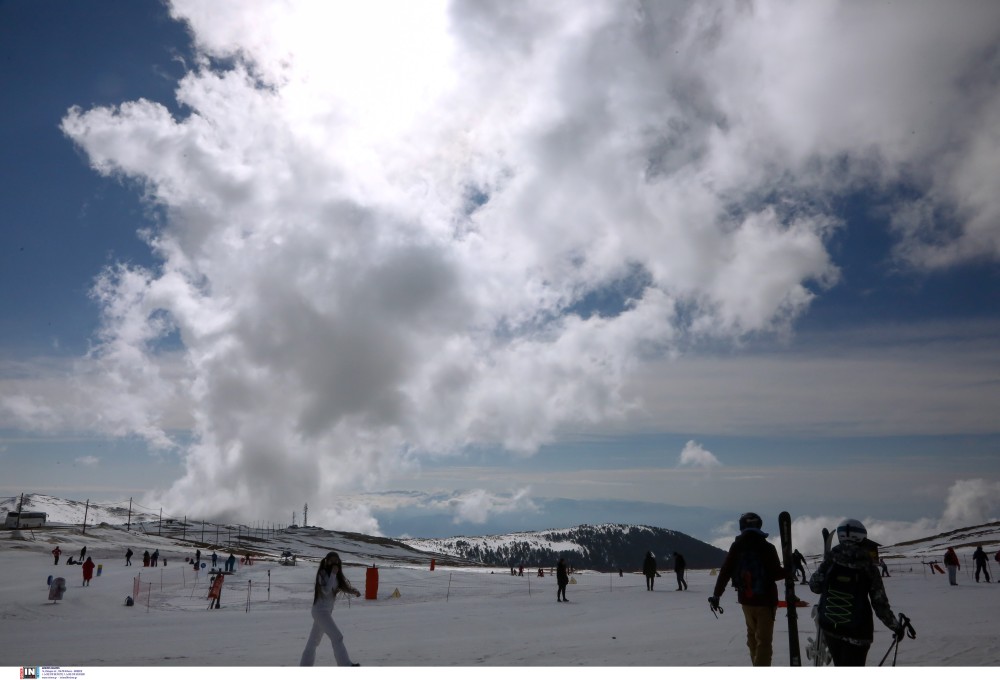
[791,601]
[816,650]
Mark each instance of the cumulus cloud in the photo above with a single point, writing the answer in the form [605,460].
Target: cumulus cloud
[695,455]
[382,224]
[478,505]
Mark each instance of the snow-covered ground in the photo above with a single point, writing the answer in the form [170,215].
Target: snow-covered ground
[452,616]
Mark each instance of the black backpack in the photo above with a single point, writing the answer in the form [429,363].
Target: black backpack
[129,601]
[843,605]
[751,576]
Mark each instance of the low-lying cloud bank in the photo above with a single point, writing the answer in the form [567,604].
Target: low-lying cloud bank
[970,502]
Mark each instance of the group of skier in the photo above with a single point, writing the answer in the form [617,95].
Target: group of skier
[979,558]
[848,582]
[86,564]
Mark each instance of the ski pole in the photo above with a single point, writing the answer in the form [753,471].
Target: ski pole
[713,603]
[905,628]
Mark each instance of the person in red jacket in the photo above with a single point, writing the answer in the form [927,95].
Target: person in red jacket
[953,565]
[56,552]
[88,571]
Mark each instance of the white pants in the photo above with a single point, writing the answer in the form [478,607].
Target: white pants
[323,625]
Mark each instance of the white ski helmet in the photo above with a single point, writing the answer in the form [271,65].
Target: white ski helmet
[851,531]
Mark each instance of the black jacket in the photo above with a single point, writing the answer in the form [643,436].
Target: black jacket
[751,544]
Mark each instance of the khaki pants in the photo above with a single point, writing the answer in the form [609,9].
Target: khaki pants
[760,631]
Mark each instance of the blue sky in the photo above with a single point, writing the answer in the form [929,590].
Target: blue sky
[457,270]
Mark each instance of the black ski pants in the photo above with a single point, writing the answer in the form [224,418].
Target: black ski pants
[682,583]
[844,653]
[986,572]
[649,582]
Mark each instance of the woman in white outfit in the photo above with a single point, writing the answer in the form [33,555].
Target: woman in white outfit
[328,584]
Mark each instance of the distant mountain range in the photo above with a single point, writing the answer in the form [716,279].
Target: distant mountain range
[602,547]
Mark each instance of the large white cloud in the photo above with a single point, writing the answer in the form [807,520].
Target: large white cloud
[380,218]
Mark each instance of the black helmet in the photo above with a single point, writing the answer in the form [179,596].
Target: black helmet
[750,520]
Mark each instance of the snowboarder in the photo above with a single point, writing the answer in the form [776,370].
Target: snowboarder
[231,563]
[800,565]
[680,564]
[753,564]
[850,588]
[330,580]
[88,571]
[145,558]
[128,557]
[982,563]
[562,580]
[953,565]
[649,569]
[56,552]
[83,553]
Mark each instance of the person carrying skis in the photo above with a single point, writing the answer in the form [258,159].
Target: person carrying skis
[850,588]
[953,565]
[562,580]
[800,565]
[88,571]
[330,580]
[56,552]
[649,569]
[753,564]
[982,563]
[680,564]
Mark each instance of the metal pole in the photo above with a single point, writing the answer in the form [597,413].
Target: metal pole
[159,532]
[202,531]
[85,509]
[184,529]
[128,524]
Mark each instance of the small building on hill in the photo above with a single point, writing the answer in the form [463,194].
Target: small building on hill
[25,520]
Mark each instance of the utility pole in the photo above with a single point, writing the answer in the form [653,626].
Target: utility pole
[20,504]
[305,515]
[128,524]
[159,532]
[85,509]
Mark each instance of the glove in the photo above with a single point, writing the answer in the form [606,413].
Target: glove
[714,601]
[898,632]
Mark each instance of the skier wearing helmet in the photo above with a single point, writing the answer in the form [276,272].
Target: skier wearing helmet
[753,565]
[850,588]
